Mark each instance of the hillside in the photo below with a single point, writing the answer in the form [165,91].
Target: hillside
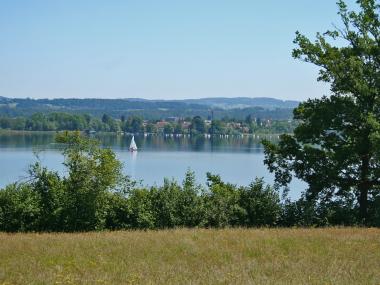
[153,109]
[244,102]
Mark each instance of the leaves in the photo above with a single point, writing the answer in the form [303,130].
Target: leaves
[335,146]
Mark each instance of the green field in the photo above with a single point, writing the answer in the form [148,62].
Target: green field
[230,256]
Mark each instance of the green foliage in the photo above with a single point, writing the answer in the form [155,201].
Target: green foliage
[197,126]
[222,203]
[150,109]
[261,204]
[19,208]
[151,128]
[335,147]
[165,203]
[140,208]
[134,125]
[79,201]
[191,204]
[59,122]
[217,127]
[95,195]
[110,122]
[92,173]
[117,212]
[178,129]
[168,129]
[48,187]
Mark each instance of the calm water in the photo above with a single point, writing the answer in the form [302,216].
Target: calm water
[238,160]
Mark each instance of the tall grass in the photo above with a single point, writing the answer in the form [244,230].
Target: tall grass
[185,256]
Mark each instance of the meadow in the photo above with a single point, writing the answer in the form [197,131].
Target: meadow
[193,256]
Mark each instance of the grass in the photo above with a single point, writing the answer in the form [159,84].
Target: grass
[229,256]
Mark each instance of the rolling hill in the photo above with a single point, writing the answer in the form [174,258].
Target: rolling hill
[153,109]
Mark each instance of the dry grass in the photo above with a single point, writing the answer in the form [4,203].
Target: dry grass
[231,256]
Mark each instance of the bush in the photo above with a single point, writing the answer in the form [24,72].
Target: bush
[222,206]
[19,208]
[261,204]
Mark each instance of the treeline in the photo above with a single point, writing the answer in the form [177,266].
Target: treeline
[151,109]
[135,124]
[95,195]
[57,122]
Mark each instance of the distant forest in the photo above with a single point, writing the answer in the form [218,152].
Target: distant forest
[207,108]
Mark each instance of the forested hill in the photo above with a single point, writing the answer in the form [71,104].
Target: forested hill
[237,108]
[245,102]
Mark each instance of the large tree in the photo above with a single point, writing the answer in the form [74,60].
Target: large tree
[335,148]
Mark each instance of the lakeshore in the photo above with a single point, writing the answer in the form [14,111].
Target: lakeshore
[237,159]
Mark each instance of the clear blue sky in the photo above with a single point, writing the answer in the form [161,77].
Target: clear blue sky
[159,49]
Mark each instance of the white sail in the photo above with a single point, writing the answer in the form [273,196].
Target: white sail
[133,145]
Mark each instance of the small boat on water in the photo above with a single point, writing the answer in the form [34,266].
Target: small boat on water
[133,146]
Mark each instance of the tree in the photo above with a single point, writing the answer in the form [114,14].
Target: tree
[334,148]
[19,210]
[151,128]
[222,206]
[166,204]
[249,119]
[217,127]
[92,173]
[197,125]
[168,129]
[178,129]
[106,118]
[134,125]
[261,204]
[191,206]
[48,187]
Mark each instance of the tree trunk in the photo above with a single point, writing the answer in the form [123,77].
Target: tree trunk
[363,203]
[363,188]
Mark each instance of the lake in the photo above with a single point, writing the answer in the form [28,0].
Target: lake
[236,159]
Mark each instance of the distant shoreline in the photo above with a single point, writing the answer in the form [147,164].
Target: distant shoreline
[26,132]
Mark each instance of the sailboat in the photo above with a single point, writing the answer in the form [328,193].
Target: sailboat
[133,146]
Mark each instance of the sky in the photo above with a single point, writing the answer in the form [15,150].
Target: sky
[159,49]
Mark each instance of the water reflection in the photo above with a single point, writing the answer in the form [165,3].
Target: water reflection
[132,163]
[158,157]
[26,139]
[248,144]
